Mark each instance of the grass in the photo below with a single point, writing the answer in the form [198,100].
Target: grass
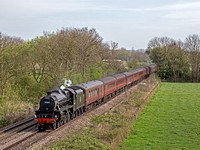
[80,142]
[171,121]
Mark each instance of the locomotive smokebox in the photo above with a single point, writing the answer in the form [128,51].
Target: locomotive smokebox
[47,104]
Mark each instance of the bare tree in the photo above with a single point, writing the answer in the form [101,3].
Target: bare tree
[9,54]
[192,46]
[170,57]
[160,42]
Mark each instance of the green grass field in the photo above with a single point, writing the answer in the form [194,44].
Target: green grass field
[170,121]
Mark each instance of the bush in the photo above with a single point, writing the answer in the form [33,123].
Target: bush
[77,78]
[4,122]
[13,108]
[108,119]
[29,90]
[95,73]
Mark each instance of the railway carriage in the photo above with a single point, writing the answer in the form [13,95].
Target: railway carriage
[93,91]
[132,76]
[109,84]
[143,72]
[129,78]
[147,71]
[153,68]
[137,74]
[120,81]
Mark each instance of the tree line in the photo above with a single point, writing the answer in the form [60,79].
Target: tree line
[29,68]
[178,61]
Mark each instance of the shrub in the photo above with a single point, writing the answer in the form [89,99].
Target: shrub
[28,89]
[12,108]
[4,122]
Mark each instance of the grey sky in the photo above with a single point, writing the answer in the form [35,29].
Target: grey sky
[130,23]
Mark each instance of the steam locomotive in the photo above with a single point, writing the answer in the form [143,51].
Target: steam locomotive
[62,105]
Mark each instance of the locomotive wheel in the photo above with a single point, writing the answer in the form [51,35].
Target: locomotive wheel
[77,112]
[71,115]
[39,128]
[81,110]
[62,122]
[68,117]
[53,126]
[57,124]
[64,119]
[74,114]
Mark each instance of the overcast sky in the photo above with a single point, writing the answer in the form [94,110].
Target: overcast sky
[131,23]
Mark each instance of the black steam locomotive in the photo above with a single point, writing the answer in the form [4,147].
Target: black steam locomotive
[58,106]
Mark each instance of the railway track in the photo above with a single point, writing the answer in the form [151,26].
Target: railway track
[29,139]
[12,136]
[15,125]
[14,131]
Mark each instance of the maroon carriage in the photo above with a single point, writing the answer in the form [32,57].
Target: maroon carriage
[120,81]
[132,76]
[93,91]
[109,84]
[153,68]
[148,71]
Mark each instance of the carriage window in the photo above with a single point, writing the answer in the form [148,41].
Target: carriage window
[129,78]
[120,81]
[110,85]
